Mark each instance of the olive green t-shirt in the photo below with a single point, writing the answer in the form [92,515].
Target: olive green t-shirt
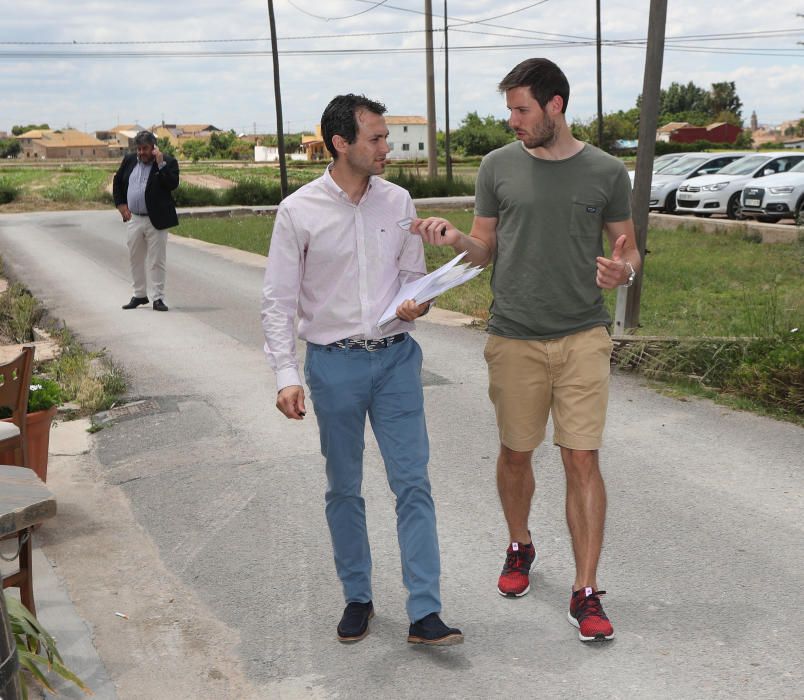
[550,217]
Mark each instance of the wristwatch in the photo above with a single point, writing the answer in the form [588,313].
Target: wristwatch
[631,275]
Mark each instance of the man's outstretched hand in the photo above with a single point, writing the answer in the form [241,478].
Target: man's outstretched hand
[613,272]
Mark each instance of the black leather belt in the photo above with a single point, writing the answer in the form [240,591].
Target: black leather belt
[369,345]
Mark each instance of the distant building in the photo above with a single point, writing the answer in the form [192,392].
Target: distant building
[312,145]
[682,132]
[407,139]
[65,144]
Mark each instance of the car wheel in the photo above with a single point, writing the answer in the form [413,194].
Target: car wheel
[670,203]
[733,208]
[769,219]
[799,211]
[703,216]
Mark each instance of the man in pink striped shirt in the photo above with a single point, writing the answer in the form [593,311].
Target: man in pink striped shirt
[338,257]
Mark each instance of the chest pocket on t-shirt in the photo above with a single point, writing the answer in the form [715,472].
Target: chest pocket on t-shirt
[587,219]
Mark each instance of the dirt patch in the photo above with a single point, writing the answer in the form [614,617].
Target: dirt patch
[212,182]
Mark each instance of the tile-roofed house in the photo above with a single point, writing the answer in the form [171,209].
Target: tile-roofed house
[61,144]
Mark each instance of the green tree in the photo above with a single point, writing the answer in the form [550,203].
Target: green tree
[723,98]
[195,149]
[221,143]
[683,98]
[616,126]
[164,145]
[9,148]
[18,129]
[478,136]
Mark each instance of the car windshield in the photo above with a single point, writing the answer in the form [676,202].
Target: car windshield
[685,165]
[661,165]
[744,166]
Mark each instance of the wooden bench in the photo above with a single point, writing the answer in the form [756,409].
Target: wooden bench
[25,502]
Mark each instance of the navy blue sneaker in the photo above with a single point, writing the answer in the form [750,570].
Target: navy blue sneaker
[354,623]
[431,630]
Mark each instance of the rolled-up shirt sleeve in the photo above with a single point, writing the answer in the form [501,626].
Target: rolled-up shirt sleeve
[280,299]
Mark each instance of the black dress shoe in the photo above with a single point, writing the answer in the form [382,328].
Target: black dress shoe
[135,302]
[431,630]
[354,623]
[159,305]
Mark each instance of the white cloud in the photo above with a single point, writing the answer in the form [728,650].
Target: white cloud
[236,92]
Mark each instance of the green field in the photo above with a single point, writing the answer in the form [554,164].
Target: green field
[695,284]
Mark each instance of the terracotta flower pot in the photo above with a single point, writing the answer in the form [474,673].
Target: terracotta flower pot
[37,438]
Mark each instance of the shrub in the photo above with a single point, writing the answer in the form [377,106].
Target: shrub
[8,193]
[187,195]
[768,371]
[253,191]
[19,313]
[439,186]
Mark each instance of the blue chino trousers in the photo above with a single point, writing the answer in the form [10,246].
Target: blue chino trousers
[385,384]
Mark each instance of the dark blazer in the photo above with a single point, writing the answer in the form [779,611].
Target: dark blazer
[161,207]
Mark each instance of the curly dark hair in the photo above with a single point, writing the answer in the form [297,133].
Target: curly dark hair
[544,78]
[339,118]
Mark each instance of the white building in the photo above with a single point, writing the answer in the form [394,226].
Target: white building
[407,137]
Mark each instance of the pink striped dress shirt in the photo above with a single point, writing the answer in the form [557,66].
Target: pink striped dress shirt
[336,265]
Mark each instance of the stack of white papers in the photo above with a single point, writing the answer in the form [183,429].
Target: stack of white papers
[427,288]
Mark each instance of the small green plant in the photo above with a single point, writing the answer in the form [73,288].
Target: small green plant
[43,394]
[19,313]
[90,379]
[8,192]
[36,650]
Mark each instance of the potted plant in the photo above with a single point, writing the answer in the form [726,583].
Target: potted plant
[36,649]
[44,397]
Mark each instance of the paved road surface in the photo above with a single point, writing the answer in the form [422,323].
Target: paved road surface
[703,561]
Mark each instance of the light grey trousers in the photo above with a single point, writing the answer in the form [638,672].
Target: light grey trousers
[147,250]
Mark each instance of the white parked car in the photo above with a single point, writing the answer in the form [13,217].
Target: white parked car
[659,163]
[664,184]
[775,197]
[720,193]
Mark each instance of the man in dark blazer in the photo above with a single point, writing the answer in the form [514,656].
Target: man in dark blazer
[142,194]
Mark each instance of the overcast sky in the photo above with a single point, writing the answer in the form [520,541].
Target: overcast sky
[107,87]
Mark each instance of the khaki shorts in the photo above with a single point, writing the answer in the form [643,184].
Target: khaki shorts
[567,376]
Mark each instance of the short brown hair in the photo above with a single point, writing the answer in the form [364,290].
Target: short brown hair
[544,79]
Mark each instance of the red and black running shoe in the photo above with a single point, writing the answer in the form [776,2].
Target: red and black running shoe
[515,577]
[586,613]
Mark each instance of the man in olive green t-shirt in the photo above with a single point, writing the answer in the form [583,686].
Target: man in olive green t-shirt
[541,206]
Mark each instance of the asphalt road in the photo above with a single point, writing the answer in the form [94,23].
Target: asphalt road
[703,555]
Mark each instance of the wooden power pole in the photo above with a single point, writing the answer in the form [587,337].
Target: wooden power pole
[280,136]
[432,155]
[626,315]
[599,82]
[448,155]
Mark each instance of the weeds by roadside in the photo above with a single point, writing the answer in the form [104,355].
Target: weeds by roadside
[19,313]
[89,379]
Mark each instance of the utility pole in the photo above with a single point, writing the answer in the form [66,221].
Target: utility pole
[627,312]
[280,136]
[432,155]
[599,83]
[448,158]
